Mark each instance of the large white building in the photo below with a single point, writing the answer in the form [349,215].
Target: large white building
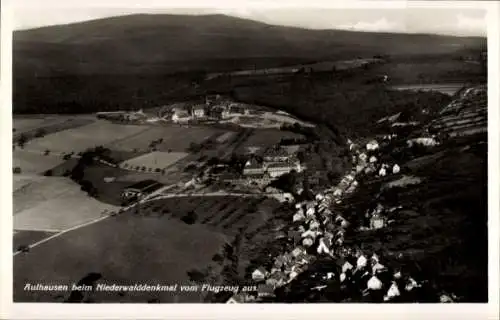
[277,169]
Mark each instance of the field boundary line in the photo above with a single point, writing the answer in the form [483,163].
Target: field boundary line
[38,230]
[112,143]
[36,244]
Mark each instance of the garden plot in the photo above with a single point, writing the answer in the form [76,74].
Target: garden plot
[84,137]
[153,161]
[34,162]
[54,204]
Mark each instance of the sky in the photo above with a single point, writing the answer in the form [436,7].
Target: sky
[451,18]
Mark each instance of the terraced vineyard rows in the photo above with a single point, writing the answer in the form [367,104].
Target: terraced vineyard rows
[223,214]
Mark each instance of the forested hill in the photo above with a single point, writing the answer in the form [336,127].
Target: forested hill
[160,43]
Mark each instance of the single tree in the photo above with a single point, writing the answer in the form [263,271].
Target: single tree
[40,133]
[21,141]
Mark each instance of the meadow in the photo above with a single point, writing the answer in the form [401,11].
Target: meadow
[84,137]
[173,138]
[153,161]
[54,203]
[124,249]
[33,162]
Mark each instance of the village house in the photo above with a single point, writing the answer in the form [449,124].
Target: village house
[241,298]
[377,221]
[257,178]
[259,274]
[372,145]
[253,168]
[180,116]
[276,279]
[219,112]
[141,189]
[198,111]
[277,169]
[265,291]
[276,155]
[298,251]
[236,109]
[229,177]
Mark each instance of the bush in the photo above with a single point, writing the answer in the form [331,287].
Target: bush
[196,275]
[21,141]
[190,218]
[40,133]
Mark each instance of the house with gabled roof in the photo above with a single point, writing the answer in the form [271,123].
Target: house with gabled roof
[265,291]
[241,298]
[298,251]
[276,279]
[253,168]
[259,274]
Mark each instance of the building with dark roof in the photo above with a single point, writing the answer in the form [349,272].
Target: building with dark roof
[277,169]
[141,189]
[253,167]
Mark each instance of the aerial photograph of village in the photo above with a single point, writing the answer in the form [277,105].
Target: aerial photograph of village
[258,156]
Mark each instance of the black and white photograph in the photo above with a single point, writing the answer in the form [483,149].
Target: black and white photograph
[246,155]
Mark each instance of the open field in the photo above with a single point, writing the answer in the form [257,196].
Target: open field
[225,137]
[153,161]
[82,138]
[54,203]
[38,125]
[33,162]
[26,124]
[444,70]
[110,192]
[174,138]
[153,238]
[125,249]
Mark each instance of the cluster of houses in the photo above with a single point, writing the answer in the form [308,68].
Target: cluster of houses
[215,107]
[140,189]
[318,231]
[275,162]
[261,170]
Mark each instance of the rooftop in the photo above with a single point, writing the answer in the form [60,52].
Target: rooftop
[145,185]
[276,165]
